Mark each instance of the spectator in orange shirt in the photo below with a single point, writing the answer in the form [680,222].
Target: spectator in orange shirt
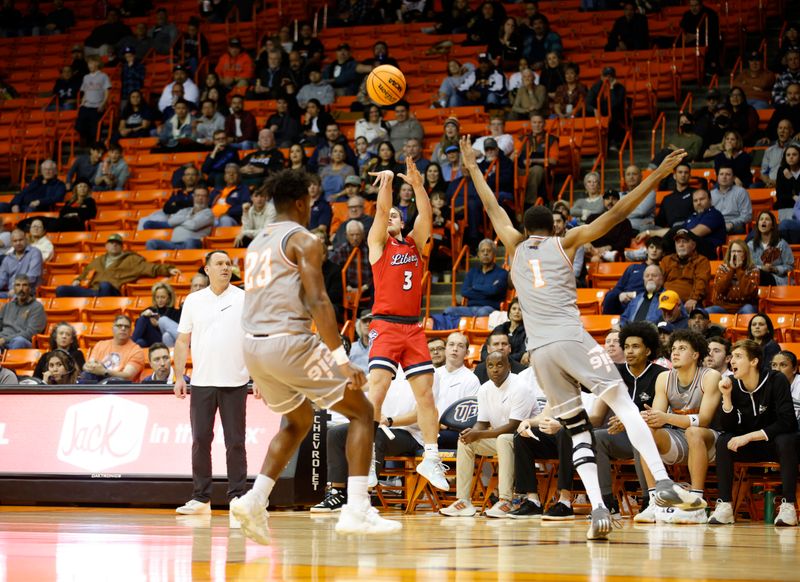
[118,357]
[235,69]
[756,82]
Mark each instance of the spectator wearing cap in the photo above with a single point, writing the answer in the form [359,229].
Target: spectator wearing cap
[630,31]
[700,322]
[235,68]
[316,88]
[686,272]
[132,73]
[614,242]
[736,282]
[180,75]
[789,110]
[341,73]
[644,306]
[483,86]
[672,310]
[732,201]
[163,33]
[756,82]
[284,125]
[790,76]
[106,274]
[355,212]
[451,167]
[189,225]
[240,125]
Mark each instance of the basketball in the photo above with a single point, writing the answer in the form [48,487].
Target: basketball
[386,85]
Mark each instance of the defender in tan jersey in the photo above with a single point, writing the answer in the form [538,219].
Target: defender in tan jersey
[564,355]
[291,367]
[685,402]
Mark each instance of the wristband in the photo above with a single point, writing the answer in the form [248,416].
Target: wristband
[340,356]
[694,420]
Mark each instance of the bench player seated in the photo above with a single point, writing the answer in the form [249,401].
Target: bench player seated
[400,410]
[503,402]
[453,382]
[691,392]
[541,438]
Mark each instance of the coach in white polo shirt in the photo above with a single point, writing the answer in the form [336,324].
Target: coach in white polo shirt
[211,324]
[452,382]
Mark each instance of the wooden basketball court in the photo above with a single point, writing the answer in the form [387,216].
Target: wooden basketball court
[144,544]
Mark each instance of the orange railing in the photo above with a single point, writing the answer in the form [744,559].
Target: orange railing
[568,183]
[599,166]
[463,256]
[627,144]
[352,302]
[661,122]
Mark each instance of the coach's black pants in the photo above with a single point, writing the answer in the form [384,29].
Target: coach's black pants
[782,448]
[231,402]
[527,451]
[403,444]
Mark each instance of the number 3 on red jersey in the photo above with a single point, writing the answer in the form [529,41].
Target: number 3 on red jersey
[407,283]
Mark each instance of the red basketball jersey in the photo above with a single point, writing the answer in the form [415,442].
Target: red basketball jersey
[398,279]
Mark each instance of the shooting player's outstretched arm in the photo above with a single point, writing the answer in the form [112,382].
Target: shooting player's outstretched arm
[376,239]
[509,236]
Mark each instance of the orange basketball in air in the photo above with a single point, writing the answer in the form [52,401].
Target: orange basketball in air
[386,85]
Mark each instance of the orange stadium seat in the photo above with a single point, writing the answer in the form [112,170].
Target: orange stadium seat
[590,300]
[98,331]
[598,326]
[21,359]
[66,308]
[68,263]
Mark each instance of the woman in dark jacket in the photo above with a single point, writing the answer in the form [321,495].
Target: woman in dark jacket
[146,331]
[744,117]
[761,330]
[759,424]
[787,184]
[515,328]
[78,210]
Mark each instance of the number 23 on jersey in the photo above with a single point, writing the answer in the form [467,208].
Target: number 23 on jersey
[257,269]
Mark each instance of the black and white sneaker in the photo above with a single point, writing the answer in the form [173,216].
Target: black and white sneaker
[527,510]
[558,512]
[334,500]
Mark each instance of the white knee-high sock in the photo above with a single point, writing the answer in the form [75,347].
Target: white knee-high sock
[638,433]
[587,471]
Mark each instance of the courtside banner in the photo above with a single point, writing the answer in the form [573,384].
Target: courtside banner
[114,435]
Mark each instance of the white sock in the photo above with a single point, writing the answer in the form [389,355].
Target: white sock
[638,433]
[263,488]
[534,497]
[357,493]
[587,471]
[432,450]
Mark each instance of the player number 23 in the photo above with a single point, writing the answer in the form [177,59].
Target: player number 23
[536,268]
[257,269]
